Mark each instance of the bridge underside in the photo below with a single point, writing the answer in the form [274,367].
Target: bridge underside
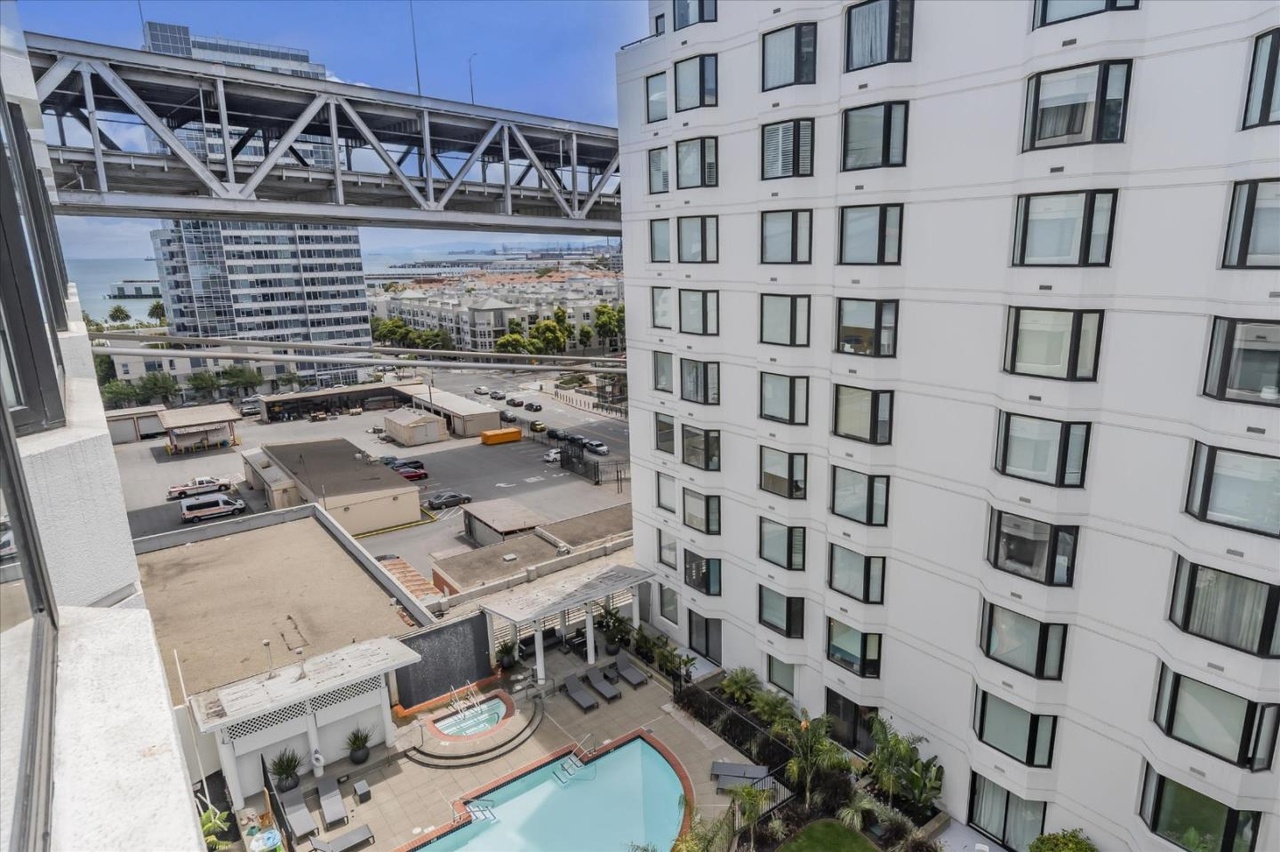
[132,133]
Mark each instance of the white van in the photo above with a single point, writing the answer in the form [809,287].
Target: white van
[196,509]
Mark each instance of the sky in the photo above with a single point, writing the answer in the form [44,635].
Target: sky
[548,57]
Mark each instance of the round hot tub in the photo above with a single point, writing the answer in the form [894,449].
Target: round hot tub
[474,720]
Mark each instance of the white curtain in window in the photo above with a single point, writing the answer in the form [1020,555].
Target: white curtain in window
[854,412]
[860,235]
[667,491]
[1228,608]
[695,510]
[1246,492]
[1054,224]
[1026,821]
[869,34]
[1044,343]
[1013,639]
[864,137]
[1033,448]
[780,58]
[1064,113]
[988,806]
[1061,10]
[1264,241]
[1210,718]
[773,608]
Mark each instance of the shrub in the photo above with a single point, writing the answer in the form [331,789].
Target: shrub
[916,841]
[772,708]
[895,827]
[740,685]
[1074,840]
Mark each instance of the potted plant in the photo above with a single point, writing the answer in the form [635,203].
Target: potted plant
[616,635]
[358,745]
[507,654]
[284,768]
[644,646]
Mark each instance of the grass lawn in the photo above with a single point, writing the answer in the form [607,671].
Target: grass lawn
[828,836]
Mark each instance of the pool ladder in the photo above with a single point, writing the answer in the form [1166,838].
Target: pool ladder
[568,769]
[481,810]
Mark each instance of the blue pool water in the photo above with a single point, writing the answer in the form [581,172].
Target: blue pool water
[473,720]
[630,795]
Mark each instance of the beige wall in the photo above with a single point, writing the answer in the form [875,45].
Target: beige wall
[374,510]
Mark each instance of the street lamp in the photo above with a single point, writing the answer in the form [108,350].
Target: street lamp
[471,77]
[431,380]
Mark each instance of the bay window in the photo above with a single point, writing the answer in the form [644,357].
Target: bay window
[857,576]
[1193,821]
[871,235]
[1032,549]
[851,723]
[1226,608]
[667,492]
[784,398]
[1263,103]
[1235,489]
[699,239]
[1012,822]
[656,97]
[669,603]
[1053,344]
[781,614]
[1253,232]
[867,328]
[690,12]
[1022,643]
[789,56]
[860,497]
[666,548]
[1026,737]
[664,427]
[1213,720]
[705,635]
[701,512]
[1244,361]
[1077,106]
[659,171]
[696,82]
[700,312]
[863,415]
[702,573]
[1056,11]
[786,149]
[1040,450]
[783,473]
[875,136]
[660,299]
[786,236]
[782,545]
[700,381]
[696,163]
[784,320]
[662,372]
[700,448]
[782,675]
[853,650]
[877,31]
[1064,228]
[660,241]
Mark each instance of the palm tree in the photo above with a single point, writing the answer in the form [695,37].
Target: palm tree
[213,821]
[812,751]
[740,685]
[749,803]
[854,814]
[892,756]
[704,835]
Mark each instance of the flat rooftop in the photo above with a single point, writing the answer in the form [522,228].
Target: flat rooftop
[198,415]
[334,467]
[369,389]
[485,565]
[120,413]
[505,515]
[215,600]
[594,526]
[455,403]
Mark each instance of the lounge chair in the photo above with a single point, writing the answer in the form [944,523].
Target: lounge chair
[331,806]
[629,673]
[343,843]
[741,771]
[577,690]
[296,813]
[607,691]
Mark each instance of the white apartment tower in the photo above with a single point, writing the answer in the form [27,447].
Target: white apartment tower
[955,386]
[254,280]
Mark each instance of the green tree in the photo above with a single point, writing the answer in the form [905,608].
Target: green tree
[118,313]
[606,322]
[213,822]
[514,344]
[551,337]
[1074,840]
[156,311]
[117,393]
[375,327]
[515,326]
[740,685]
[561,317]
[772,708]
[90,323]
[394,332]
[289,380]
[204,383]
[243,379]
[622,320]
[105,368]
[544,271]
[158,385]
[704,835]
[812,751]
[892,757]
[854,813]
[748,804]
[584,335]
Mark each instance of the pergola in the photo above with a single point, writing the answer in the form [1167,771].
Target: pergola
[556,595]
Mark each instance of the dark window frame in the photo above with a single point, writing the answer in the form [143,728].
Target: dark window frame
[702,10]
[1056,532]
[792,420]
[1033,731]
[1270,79]
[709,572]
[652,254]
[1112,6]
[1064,447]
[653,305]
[895,19]
[794,491]
[794,628]
[705,649]
[1004,831]
[870,667]
[878,343]
[792,533]
[713,519]
[1186,573]
[1206,486]
[792,258]
[769,674]
[861,743]
[704,387]
[703,100]
[657,496]
[1042,643]
[648,98]
[710,461]
[1241,260]
[667,152]
[1104,73]
[871,567]
[656,372]
[878,398]
[701,142]
[797,74]
[795,148]
[1251,733]
[885,142]
[869,520]
[1156,797]
[1022,213]
[1223,334]
[702,228]
[659,24]
[882,229]
[663,531]
[794,300]
[658,430]
[1013,330]
[704,294]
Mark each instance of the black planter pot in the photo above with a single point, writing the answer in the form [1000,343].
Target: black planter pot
[612,648]
[287,783]
[359,755]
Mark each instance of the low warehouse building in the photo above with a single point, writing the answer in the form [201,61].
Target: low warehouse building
[375,396]
[411,427]
[465,417]
[127,425]
[497,520]
[201,427]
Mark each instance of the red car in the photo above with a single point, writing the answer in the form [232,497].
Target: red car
[410,473]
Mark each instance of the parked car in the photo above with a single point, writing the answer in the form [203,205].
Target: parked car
[533,406]
[446,499]
[482,390]
[597,447]
[537,426]
[199,485]
[576,440]
[412,474]
[557,434]
[388,460]
[551,455]
[497,395]
[515,403]
[413,463]
[197,509]
[249,409]
[507,417]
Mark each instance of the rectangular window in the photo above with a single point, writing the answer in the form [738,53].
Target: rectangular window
[863,415]
[853,650]
[1193,821]
[705,636]
[875,136]
[666,548]
[1053,344]
[700,311]
[860,497]
[1022,643]
[689,12]
[1055,11]
[786,236]
[700,381]
[696,163]
[702,573]
[877,31]
[871,236]
[1234,489]
[782,675]
[1263,103]
[786,149]
[700,448]
[1064,228]
[656,91]
[661,298]
[666,492]
[664,427]
[696,82]
[1225,608]
[782,545]
[702,512]
[1010,821]
[662,372]
[1032,549]
[1026,737]
[1253,233]
[784,320]
[867,328]
[789,56]
[699,239]
[857,576]
[851,723]
[1239,731]
[1077,106]
[1041,450]
[659,172]
[659,24]
[782,614]
[660,241]
[669,603]
[782,473]
[784,398]
[1244,361]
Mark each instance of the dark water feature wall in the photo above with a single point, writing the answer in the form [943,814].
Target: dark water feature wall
[453,655]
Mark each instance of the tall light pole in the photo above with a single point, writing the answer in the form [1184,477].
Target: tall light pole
[472,77]
[431,380]
[413,28]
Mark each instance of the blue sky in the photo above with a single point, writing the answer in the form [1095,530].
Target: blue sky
[551,57]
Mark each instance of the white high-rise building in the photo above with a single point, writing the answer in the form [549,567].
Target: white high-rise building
[955,383]
[254,280]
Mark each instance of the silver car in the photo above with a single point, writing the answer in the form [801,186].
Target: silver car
[597,447]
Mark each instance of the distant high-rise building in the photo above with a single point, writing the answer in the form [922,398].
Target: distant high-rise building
[254,280]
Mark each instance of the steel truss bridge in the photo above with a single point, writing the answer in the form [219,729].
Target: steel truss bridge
[392,160]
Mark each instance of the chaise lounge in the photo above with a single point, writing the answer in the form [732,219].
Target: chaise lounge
[345,842]
[628,672]
[577,690]
[296,813]
[331,806]
[727,774]
[607,691]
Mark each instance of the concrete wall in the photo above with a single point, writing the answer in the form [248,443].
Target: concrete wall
[203,745]
[376,510]
[454,654]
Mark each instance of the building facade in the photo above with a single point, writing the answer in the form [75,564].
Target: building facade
[254,280]
[954,386]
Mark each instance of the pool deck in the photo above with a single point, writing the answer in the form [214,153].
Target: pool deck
[410,802]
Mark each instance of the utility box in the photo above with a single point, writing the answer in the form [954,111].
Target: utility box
[500,436]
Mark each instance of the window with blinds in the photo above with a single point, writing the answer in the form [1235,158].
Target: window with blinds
[696,163]
[787,149]
[658,170]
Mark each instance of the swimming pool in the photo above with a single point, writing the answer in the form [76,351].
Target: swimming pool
[473,720]
[629,795]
